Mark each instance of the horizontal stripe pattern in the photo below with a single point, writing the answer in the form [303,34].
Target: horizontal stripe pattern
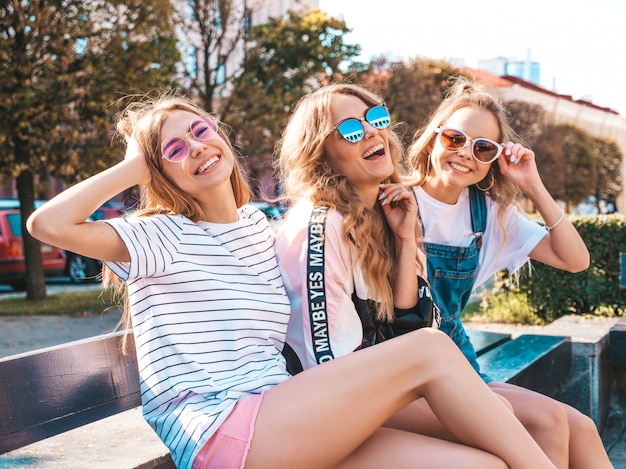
[209,313]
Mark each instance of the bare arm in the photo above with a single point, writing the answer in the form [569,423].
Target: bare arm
[563,248]
[61,221]
[400,210]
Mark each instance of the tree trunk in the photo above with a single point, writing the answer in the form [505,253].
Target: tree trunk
[35,278]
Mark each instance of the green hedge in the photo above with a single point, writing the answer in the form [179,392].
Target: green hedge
[554,293]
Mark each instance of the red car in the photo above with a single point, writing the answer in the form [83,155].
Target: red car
[12,266]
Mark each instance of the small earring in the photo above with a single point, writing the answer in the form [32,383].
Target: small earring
[493,180]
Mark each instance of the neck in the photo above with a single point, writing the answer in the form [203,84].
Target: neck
[442,192]
[369,196]
[219,205]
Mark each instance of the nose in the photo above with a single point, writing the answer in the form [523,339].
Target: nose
[463,151]
[196,147]
[368,128]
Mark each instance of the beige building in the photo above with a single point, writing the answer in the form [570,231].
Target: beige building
[595,120]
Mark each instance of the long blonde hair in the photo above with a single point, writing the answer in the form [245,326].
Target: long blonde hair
[463,94]
[304,171]
[143,119]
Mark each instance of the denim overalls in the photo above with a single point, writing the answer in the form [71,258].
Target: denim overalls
[452,272]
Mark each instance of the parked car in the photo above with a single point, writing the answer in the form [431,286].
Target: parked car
[272,212]
[12,265]
[82,269]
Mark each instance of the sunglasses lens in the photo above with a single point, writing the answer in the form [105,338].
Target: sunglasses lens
[203,128]
[351,129]
[486,150]
[175,149]
[452,139]
[378,117]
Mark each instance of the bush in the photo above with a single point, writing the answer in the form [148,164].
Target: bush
[552,293]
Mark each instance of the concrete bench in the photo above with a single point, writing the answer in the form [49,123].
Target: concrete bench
[538,362]
[617,344]
[88,387]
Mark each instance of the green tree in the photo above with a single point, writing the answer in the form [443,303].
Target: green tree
[56,86]
[567,163]
[213,36]
[608,158]
[529,121]
[414,89]
[287,57]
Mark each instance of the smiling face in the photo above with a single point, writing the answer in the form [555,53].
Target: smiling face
[208,165]
[365,163]
[452,171]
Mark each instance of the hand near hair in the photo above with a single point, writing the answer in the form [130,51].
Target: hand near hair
[135,154]
[400,208]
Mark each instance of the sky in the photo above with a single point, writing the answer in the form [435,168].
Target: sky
[580,45]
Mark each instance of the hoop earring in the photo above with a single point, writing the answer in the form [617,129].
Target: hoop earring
[493,180]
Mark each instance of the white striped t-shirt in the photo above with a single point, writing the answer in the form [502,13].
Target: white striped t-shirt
[209,314]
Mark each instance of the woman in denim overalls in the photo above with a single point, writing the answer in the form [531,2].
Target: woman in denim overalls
[466,182]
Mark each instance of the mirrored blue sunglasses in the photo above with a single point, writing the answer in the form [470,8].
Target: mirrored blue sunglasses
[352,128]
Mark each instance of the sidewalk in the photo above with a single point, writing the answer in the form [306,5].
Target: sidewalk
[22,334]
[19,334]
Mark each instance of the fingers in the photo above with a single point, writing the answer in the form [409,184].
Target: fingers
[515,153]
[133,150]
[390,193]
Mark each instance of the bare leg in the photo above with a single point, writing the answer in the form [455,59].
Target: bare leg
[418,417]
[398,449]
[586,450]
[549,421]
[544,418]
[321,416]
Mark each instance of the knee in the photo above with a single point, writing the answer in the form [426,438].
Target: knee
[546,416]
[553,417]
[581,424]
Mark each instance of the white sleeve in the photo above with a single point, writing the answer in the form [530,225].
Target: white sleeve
[151,242]
[508,252]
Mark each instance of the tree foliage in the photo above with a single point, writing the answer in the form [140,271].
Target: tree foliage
[567,163]
[529,121]
[212,33]
[414,89]
[63,61]
[608,158]
[287,57]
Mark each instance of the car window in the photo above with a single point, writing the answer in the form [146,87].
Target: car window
[15,223]
[97,215]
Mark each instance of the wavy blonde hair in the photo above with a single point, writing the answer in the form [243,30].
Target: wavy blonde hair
[465,93]
[143,119]
[303,169]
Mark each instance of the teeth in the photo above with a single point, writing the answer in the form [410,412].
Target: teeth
[463,169]
[208,164]
[373,150]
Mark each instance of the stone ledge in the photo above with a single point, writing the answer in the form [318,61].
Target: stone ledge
[122,441]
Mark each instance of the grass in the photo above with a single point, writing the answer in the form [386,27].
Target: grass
[505,307]
[78,303]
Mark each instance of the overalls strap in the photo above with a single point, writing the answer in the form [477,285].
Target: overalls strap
[478,210]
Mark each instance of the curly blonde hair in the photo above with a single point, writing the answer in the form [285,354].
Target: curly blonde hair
[303,169]
[143,119]
[464,93]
